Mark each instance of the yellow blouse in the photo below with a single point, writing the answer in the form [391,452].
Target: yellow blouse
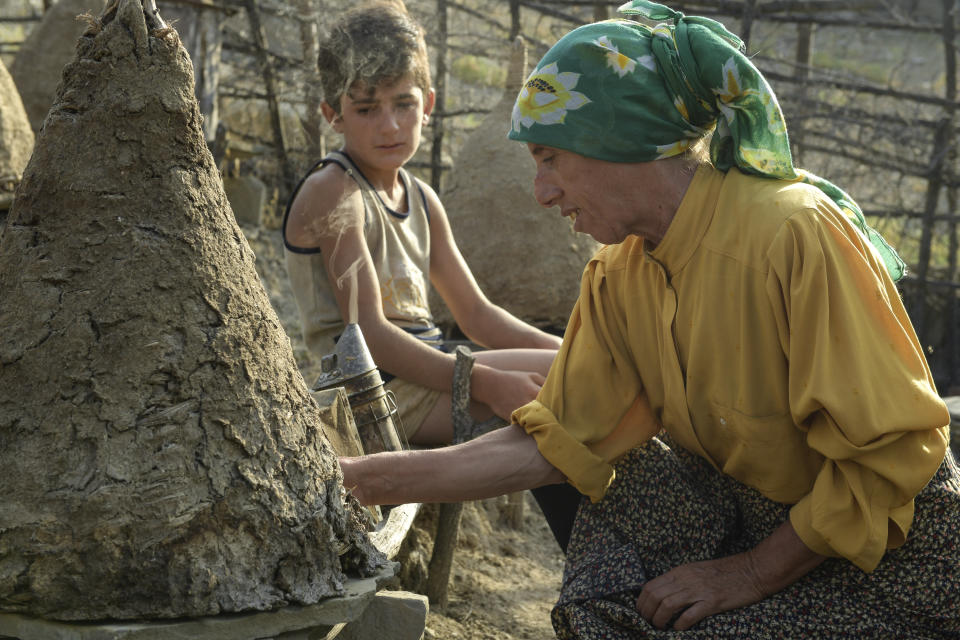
[765,335]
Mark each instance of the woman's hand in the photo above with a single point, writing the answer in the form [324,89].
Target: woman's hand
[504,391]
[355,480]
[699,589]
[691,592]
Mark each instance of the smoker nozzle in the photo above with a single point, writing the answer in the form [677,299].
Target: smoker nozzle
[350,358]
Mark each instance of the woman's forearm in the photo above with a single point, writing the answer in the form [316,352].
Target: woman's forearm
[502,461]
[781,559]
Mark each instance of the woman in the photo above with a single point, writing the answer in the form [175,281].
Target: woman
[739,390]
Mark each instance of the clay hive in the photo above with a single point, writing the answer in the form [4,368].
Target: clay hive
[16,140]
[160,453]
[527,259]
[47,49]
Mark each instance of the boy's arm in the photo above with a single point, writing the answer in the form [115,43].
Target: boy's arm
[328,214]
[482,321]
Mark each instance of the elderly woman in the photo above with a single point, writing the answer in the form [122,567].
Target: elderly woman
[739,392]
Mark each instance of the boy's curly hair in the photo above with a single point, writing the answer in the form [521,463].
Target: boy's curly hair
[372,44]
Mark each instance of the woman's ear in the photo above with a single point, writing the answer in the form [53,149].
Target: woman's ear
[331,115]
[429,101]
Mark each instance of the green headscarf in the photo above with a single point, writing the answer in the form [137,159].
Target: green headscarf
[621,91]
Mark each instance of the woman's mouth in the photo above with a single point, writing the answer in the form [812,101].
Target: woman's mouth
[573,214]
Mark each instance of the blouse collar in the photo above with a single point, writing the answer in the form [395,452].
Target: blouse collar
[691,221]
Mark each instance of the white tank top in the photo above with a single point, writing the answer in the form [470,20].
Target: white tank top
[399,244]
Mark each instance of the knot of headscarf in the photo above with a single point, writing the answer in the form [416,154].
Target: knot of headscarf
[621,91]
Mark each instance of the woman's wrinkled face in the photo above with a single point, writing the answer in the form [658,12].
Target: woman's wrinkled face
[604,199]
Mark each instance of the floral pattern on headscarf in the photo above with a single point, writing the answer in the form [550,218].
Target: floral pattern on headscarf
[621,64]
[547,97]
[648,93]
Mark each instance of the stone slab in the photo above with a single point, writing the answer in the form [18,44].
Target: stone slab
[397,615]
[248,197]
[311,620]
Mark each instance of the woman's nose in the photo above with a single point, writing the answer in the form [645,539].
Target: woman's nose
[547,194]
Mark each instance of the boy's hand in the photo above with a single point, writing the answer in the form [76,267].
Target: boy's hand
[504,391]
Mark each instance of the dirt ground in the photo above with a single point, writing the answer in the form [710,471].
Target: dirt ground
[504,581]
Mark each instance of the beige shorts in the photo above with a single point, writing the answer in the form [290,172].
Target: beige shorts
[414,404]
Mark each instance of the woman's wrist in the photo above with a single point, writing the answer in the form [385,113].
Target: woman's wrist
[780,560]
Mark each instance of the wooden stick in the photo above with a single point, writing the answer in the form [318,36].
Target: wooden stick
[154,21]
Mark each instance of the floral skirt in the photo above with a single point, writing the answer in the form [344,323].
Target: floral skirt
[668,507]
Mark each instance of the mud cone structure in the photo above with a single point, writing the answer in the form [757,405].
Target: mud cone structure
[161,455]
[42,56]
[16,140]
[527,259]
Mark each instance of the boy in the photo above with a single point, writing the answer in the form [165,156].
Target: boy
[362,236]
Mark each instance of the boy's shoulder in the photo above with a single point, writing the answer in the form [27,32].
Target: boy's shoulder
[431,197]
[327,199]
[335,177]
[330,187]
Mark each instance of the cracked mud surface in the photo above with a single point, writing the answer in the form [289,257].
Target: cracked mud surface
[156,437]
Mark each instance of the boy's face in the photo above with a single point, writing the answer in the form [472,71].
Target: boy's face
[381,127]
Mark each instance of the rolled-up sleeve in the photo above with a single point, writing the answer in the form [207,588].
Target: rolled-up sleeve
[592,408]
[859,386]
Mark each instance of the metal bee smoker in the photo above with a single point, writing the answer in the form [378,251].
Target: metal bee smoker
[351,366]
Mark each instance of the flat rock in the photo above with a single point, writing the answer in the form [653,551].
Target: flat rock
[397,615]
[359,595]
